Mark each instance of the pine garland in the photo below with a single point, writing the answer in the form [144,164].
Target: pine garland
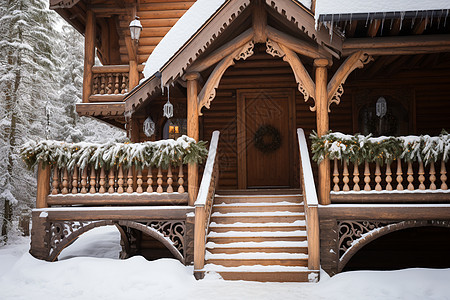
[358,148]
[148,154]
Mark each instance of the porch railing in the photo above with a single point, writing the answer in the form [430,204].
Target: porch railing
[204,203]
[310,202]
[116,186]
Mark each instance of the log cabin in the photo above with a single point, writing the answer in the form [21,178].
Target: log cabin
[253,78]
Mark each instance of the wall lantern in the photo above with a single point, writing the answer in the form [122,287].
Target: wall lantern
[135,29]
[381,107]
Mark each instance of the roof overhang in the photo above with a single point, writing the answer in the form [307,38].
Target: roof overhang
[176,66]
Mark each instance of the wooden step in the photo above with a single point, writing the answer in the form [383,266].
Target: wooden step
[228,199]
[255,227]
[256,218]
[235,250]
[258,207]
[263,262]
[301,276]
[261,236]
[260,192]
[267,246]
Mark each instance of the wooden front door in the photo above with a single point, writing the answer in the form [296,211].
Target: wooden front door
[266,132]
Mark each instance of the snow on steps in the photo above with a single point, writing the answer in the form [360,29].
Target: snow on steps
[258,237]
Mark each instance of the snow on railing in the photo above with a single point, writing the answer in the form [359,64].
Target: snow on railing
[310,202]
[204,202]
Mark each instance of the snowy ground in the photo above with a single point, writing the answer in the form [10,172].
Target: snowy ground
[89,270]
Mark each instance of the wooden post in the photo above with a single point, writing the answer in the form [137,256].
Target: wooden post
[321,99]
[89,54]
[313,238]
[43,185]
[259,19]
[192,131]
[133,76]
[199,238]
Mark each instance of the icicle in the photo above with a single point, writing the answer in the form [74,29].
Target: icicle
[367,20]
[414,19]
[445,19]
[392,21]
[162,87]
[331,28]
[402,16]
[382,23]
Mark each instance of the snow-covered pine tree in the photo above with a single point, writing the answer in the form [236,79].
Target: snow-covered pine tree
[26,74]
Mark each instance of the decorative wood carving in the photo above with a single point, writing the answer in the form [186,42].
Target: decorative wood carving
[335,87]
[208,93]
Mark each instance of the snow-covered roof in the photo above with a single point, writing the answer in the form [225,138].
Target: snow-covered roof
[185,28]
[346,7]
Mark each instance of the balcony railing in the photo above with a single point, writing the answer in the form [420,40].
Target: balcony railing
[385,169]
[150,173]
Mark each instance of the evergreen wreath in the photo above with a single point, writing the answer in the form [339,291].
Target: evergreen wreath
[267,131]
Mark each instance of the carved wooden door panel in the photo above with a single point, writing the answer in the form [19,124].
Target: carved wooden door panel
[266,131]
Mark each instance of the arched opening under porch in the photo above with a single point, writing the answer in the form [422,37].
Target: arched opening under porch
[415,247]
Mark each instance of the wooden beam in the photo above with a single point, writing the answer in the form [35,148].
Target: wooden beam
[100,109]
[356,60]
[192,131]
[259,22]
[322,126]
[398,45]
[225,50]
[89,54]
[373,28]
[391,198]
[117,213]
[305,84]
[119,199]
[296,45]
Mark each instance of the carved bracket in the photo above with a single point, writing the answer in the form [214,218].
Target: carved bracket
[306,85]
[335,87]
[208,92]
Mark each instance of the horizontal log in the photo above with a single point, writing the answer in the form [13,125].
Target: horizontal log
[391,198]
[169,5]
[106,98]
[384,212]
[152,22]
[110,69]
[119,199]
[100,109]
[117,213]
[161,14]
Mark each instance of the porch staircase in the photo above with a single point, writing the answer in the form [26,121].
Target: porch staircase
[258,237]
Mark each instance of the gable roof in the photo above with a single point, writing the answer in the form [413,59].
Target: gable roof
[204,22]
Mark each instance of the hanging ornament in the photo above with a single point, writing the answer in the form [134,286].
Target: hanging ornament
[149,127]
[168,107]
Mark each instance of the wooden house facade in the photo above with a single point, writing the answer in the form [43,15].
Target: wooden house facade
[253,78]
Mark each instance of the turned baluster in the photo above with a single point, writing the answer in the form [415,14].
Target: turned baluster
[169,180]
[367,176]
[377,176]
[336,176]
[410,177]
[84,181]
[180,179]
[55,182]
[443,176]
[356,177]
[139,181]
[109,88]
[116,84]
[95,85]
[432,176]
[130,181]
[102,181]
[421,176]
[345,173]
[92,181]
[399,177]
[159,181]
[102,84]
[388,177]
[75,180]
[123,88]
[111,181]
[120,180]
[149,180]
[65,182]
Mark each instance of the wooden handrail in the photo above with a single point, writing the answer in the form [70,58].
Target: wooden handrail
[310,202]
[204,202]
